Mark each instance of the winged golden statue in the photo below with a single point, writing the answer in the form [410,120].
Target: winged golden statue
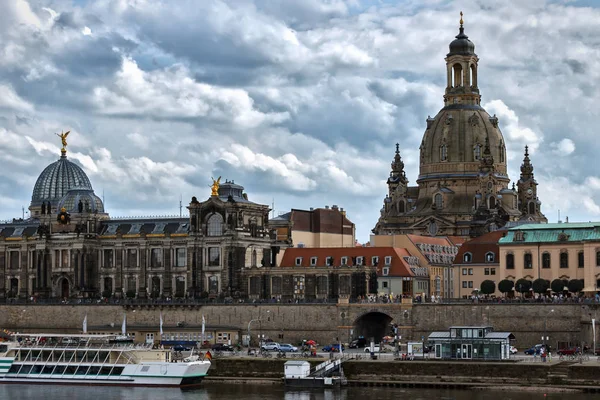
[63,138]
[215,186]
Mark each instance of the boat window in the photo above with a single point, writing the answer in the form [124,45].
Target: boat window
[145,369]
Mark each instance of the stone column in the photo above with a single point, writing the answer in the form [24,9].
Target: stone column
[23,273]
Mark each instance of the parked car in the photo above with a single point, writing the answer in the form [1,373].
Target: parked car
[568,352]
[513,350]
[272,346]
[287,348]
[179,347]
[534,349]
[221,347]
[333,348]
[358,343]
[376,349]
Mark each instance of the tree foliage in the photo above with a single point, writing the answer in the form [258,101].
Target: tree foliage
[540,285]
[488,287]
[505,286]
[575,285]
[557,285]
[523,285]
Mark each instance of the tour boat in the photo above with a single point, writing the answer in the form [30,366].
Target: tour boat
[96,360]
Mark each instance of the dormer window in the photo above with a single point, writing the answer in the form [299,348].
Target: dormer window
[374,261]
[329,261]
[344,260]
[519,236]
[489,257]
[385,271]
[313,261]
[388,260]
[359,260]
[298,261]
[468,257]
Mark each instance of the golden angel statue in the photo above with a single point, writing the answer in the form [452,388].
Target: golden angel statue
[215,186]
[63,138]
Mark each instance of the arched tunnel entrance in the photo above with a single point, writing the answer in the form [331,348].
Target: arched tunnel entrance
[372,326]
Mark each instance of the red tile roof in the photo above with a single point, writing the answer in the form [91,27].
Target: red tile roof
[398,266]
[479,247]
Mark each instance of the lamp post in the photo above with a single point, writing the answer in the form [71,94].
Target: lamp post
[259,320]
[250,323]
[545,337]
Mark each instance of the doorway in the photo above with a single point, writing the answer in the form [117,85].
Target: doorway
[64,288]
[466,351]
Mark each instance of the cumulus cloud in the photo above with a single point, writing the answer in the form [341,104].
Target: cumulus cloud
[301,101]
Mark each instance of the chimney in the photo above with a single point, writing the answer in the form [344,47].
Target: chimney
[312,209]
[327,207]
[567,221]
[334,207]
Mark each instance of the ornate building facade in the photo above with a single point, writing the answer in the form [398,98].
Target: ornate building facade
[70,247]
[463,185]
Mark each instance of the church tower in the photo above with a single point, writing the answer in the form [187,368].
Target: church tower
[529,204]
[462,188]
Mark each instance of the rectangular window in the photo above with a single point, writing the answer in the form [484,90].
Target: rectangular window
[464,271]
[385,284]
[313,261]
[180,257]
[580,259]
[486,271]
[14,259]
[108,258]
[329,261]
[470,284]
[214,256]
[156,258]
[298,261]
[388,260]
[470,271]
[386,271]
[359,261]
[492,271]
[131,258]
[464,284]
[374,260]
[299,285]
[527,261]
[344,260]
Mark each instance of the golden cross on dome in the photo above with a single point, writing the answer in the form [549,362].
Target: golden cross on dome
[461,19]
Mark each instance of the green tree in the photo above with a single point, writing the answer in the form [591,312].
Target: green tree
[506,286]
[557,285]
[575,285]
[540,285]
[523,285]
[488,287]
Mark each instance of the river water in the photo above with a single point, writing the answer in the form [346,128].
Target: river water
[266,392]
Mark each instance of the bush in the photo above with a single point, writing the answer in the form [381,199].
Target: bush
[506,286]
[575,285]
[523,285]
[540,285]
[488,287]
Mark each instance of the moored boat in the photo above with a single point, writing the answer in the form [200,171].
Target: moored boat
[96,360]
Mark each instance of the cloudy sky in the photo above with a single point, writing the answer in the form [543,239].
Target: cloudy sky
[301,102]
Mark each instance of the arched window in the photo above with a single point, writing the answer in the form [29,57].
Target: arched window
[473,79]
[510,261]
[443,153]
[546,260]
[254,258]
[213,284]
[580,260]
[597,258]
[401,206]
[215,225]
[492,202]
[501,151]
[489,257]
[564,259]
[457,75]
[468,257]
[477,152]
[527,261]
[531,207]
[438,200]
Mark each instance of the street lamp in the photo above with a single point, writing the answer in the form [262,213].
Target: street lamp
[545,337]
[259,320]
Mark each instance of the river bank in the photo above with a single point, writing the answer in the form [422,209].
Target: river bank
[424,374]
